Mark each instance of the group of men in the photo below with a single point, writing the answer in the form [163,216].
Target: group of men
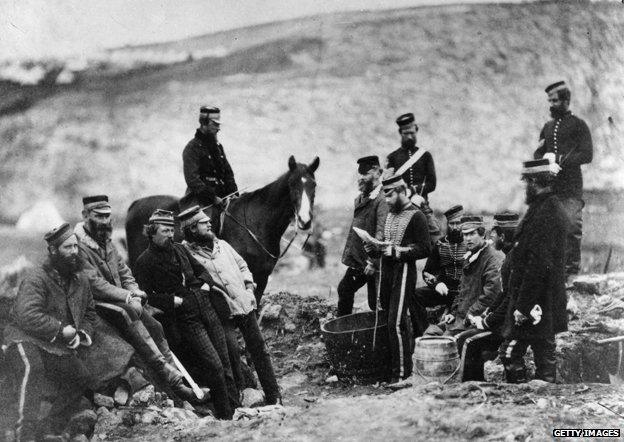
[202,287]
[205,291]
[506,292]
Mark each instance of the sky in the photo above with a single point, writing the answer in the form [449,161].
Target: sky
[45,28]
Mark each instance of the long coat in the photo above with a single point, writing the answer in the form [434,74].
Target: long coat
[206,170]
[164,274]
[480,286]
[45,304]
[369,214]
[537,271]
[111,279]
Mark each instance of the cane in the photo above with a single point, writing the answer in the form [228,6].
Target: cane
[198,391]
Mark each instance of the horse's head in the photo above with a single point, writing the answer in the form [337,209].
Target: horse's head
[301,184]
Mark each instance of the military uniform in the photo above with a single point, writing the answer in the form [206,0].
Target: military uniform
[421,175]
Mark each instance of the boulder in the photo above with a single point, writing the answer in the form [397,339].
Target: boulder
[103,401]
[144,396]
[252,398]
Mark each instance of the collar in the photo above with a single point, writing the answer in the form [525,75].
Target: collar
[84,237]
[472,257]
[196,247]
[410,151]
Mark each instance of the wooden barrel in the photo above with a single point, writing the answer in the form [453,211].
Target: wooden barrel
[436,357]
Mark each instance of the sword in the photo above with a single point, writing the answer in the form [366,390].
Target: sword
[198,391]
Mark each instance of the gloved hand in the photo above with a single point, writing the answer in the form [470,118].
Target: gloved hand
[519,317]
[369,247]
[476,321]
[388,251]
[68,333]
[448,318]
[135,304]
[550,156]
[138,293]
[369,270]
[74,343]
[177,301]
[441,288]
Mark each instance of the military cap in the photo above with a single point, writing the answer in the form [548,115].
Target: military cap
[454,212]
[541,166]
[367,163]
[160,216]
[58,235]
[96,203]
[470,223]
[559,85]
[405,120]
[506,220]
[191,216]
[393,182]
[209,113]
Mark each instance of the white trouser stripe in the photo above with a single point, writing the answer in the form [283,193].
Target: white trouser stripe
[398,319]
[22,396]
[510,348]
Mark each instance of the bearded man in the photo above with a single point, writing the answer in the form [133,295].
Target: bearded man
[566,140]
[236,306]
[369,214]
[53,318]
[112,283]
[405,239]
[178,285]
[442,272]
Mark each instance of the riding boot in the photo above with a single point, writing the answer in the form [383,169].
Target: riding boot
[145,346]
[546,369]
[515,373]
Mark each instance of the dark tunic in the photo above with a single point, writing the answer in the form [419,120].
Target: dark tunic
[537,271]
[206,170]
[421,175]
[568,137]
[445,264]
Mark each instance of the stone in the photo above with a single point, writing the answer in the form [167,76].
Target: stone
[331,380]
[127,418]
[542,403]
[145,395]
[177,415]
[103,401]
[252,398]
[103,413]
[538,386]
[271,312]
[493,372]
[79,438]
[121,395]
[150,417]
[82,422]
[168,403]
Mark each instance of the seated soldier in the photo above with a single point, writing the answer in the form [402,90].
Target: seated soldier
[52,319]
[442,272]
[480,282]
[238,302]
[480,343]
[112,282]
[178,285]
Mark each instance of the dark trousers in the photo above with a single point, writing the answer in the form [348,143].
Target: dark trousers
[31,366]
[202,330]
[426,297]
[512,352]
[351,282]
[474,346]
[400,335]
[573,208]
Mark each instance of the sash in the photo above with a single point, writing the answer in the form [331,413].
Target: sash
[411,161]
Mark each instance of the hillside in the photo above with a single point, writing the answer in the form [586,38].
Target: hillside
[331,86]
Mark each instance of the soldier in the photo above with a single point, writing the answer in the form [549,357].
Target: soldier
[415,165]
[112,283]
[369,214]
[442,272]
[52,319]
[237,305]
[480,282]
[566,140]
[503,231]
[535,302]
[207,172]
[407,238]
[177,284]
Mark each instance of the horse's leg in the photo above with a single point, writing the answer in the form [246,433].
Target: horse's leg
[261,283]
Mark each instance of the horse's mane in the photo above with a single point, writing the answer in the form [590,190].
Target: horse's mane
[263,191]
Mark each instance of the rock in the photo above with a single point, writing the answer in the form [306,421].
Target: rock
[538,386]
[103,413]
[103,401]
[476,431]
[177,415]
[127,418]
[493,371]
[150,417]
[289,326]
[542,403]
[121,395]
[331,380]
[252,398]
[271,312]
[79,438]
[145,395]
[168,403]
[41,217]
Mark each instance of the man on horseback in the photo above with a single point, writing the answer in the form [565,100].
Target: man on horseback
[207,172]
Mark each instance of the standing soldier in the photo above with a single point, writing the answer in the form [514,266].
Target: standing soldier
[442,272]
[369,214]
[52,318]
[207,171]
[415,165]
[408,237]
[566,140]
[535,285]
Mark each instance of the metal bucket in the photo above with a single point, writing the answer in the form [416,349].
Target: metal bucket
[349,343]
[436,358]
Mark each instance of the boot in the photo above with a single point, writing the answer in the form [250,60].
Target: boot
[515,373]
[546,369]
[145,346]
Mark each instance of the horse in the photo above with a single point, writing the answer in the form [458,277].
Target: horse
[253,223]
